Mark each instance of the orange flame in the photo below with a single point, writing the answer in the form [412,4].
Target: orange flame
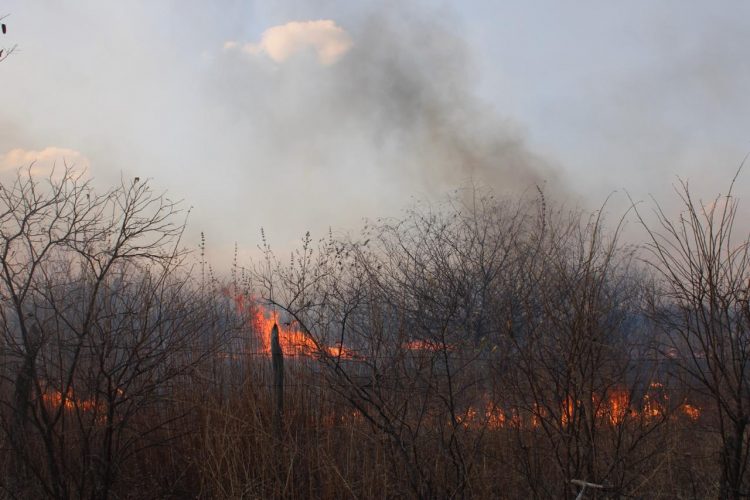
[615,409]
[54,399]
[692,412]
[654,401]
[294,342]
[495,416]
[619,404]
[567,411]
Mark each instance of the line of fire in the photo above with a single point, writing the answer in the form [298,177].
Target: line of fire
[649,401]
[443,356]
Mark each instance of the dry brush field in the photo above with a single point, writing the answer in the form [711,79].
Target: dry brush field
[479,348]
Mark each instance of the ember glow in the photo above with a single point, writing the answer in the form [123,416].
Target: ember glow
[617,409]
[54,399]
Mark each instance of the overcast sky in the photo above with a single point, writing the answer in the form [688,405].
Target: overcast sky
[298,116]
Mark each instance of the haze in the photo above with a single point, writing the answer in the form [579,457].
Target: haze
[297,116]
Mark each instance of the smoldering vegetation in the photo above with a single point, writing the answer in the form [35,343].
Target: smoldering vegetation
[478,348]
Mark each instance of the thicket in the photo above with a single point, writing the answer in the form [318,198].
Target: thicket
[480,348]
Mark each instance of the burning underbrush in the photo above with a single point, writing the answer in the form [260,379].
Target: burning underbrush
[616,407]
[480,350]
[295,342]
[54,399]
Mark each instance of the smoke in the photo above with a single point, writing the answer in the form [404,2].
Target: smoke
[397,110]
[301,122]
[299,116]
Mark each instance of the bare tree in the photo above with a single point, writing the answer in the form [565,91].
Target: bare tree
[97,322]
[5,51]
[705,283]
[580,373]
[482,318]
[409,304]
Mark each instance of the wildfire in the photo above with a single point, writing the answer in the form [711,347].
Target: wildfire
[54,399]
[618,407]
[495,417]
[692,412]
[567,411]
[615,409]
[294,342]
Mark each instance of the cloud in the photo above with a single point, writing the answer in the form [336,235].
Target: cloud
[44,161]
[330,42]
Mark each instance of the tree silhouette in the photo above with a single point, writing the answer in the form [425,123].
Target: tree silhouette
[5,52]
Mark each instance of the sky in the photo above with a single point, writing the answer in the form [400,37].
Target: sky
[309,115]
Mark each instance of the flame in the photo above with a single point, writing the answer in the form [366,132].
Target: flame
[294,341]
[495,416]
[691,411]
[469,418]
[567,411]
[616,408]
[55,399]
[655,401]
[619,406]
[539,412]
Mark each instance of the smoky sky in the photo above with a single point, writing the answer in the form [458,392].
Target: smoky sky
[400,106]
[429,97]
[394,117]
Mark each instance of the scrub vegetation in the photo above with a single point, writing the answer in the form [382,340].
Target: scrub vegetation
[477,348]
